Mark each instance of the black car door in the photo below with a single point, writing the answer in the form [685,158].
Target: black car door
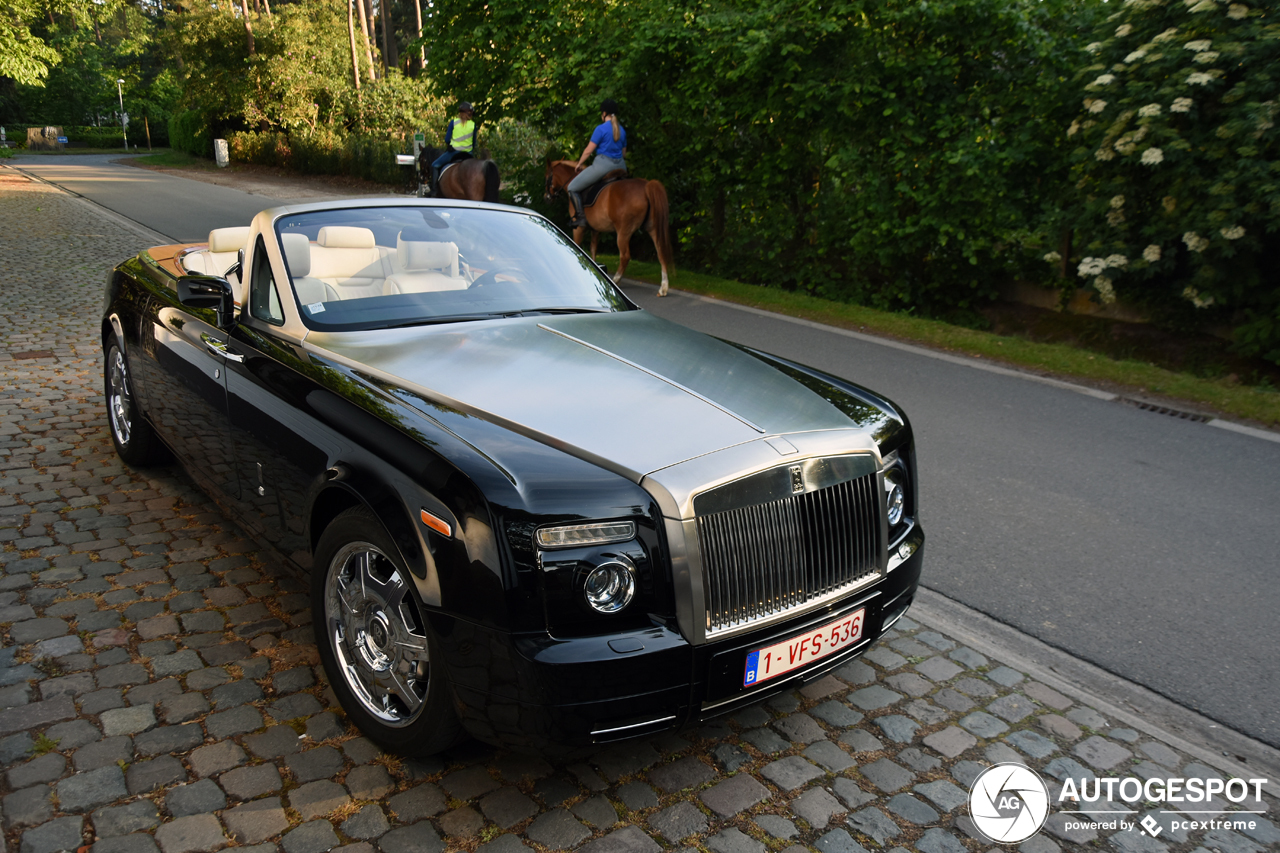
[281,450]
[186,388]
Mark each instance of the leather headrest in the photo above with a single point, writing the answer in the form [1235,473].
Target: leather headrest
[228,239]
[297,251]
[414,255]
[345,237]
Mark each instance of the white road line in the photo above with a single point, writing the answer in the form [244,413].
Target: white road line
[965,361]
[1263,434]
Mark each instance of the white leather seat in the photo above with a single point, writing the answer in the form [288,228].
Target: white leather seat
[347,259]
[297,254]
[224,250]
[424,267]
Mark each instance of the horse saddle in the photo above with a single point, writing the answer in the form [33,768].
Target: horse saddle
[428,155]
[458,157]
[589,195]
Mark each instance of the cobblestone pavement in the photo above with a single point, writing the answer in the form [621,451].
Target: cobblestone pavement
[159,689]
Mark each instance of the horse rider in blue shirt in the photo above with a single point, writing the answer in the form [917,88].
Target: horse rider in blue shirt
[609,144]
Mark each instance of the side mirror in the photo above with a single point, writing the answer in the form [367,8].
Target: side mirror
[210,292]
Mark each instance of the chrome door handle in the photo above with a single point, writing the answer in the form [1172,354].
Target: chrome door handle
[217,347]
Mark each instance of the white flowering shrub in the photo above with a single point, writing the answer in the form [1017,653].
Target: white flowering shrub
[1177,161]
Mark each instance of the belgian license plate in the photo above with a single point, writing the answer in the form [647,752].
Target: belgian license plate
[803,649]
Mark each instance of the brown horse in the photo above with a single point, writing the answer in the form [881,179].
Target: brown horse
[474,180]
[624,206]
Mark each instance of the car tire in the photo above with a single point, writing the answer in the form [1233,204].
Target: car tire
[135,441]
[383,661]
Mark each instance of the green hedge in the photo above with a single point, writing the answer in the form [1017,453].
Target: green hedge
[89,136]
[323,153]
[189,131]
[96,137]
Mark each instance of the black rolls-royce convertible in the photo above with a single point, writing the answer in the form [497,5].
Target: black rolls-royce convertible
[530,510]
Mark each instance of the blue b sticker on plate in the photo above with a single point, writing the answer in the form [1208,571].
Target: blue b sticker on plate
[753,664]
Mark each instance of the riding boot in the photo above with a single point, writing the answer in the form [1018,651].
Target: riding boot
[579,215]
[435,182]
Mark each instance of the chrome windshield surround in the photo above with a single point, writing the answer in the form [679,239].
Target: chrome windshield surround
[752,474]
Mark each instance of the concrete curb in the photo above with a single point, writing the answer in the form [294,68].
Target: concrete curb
[1136,706]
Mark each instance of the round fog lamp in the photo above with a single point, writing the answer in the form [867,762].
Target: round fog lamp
[895,497]
[609,587]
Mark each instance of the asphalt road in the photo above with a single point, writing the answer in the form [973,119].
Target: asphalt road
[1144,544]
[183,210]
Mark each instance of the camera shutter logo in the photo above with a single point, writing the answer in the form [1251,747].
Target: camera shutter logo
[1008,803]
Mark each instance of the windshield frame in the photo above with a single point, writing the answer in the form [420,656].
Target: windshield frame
[474,216]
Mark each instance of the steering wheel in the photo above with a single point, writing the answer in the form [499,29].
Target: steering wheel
[490,278]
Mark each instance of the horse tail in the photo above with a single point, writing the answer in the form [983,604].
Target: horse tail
[491,181]
[656,194]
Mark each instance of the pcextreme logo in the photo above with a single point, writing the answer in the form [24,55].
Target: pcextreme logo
[1009,803]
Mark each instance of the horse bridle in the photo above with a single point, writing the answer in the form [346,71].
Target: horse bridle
[549,190]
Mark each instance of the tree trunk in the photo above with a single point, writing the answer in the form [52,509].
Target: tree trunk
[1064,267]
[266,4]
[355,57]
[373,32]
[364,30]
[417,19]
[248,26]
[390,56]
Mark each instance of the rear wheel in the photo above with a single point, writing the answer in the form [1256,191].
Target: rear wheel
[135,440]
[382,660]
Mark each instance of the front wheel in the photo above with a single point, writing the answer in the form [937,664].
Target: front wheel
[381,658]
[135,441]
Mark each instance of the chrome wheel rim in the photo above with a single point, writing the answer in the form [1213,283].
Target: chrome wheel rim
[377,634]
[120,398]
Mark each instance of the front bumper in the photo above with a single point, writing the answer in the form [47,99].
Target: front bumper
[545,693]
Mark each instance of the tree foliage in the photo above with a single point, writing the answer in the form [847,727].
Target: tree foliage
[94,43]
[24,56]
[893,152]
[1178,161]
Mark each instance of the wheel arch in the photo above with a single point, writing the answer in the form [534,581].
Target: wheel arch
[349,487]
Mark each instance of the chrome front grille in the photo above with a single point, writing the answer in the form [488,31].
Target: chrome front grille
[770,559]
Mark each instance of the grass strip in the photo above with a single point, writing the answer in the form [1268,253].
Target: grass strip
[1261,405]
[175,160]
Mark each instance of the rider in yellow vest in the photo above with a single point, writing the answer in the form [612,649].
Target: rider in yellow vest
[460,137]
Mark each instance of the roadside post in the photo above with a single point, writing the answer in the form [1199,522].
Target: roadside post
[419,142]
[124,122]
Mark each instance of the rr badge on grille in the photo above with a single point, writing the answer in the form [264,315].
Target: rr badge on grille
[797,479]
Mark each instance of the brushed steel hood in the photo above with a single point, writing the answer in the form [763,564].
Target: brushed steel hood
[628,391]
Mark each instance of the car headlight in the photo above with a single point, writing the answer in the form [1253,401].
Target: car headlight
[610,586]
[578,535]
[895,494]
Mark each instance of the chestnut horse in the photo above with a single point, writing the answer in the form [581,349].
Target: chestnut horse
[474,180]
[624,206]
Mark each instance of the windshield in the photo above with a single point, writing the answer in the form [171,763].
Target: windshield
[385,267]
